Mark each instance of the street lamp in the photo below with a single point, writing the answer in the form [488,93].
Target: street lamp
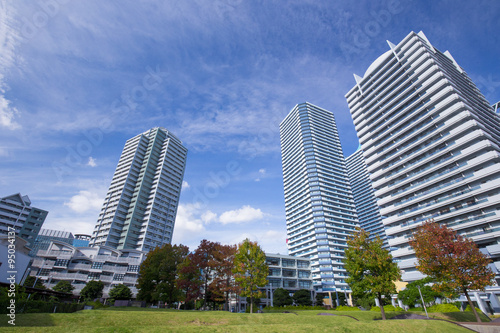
[423,303]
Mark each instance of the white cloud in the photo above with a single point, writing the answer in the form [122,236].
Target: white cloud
[208,217]
[92,162]
[244,214]
[185,185]
[84,201]
[187,223]
[262,172]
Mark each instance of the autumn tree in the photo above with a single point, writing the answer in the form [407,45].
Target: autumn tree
[250,269]
[223,283]
[370,267]
[158,274]
[452,261]
[189,280]
[204,259]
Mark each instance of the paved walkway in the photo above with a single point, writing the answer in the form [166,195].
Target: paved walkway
[491,327]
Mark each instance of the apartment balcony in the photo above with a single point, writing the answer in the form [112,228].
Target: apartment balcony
[127,279]
[69,276]
[41,262]
[83,267]
[114,269]
[55,254]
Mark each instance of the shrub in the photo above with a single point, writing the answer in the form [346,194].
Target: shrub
[346,308]
[468,309]
[443,308]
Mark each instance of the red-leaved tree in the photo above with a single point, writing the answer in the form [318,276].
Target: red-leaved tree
[452,261]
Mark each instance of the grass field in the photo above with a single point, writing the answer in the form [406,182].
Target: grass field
[159,320]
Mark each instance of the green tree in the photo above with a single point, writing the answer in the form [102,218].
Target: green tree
[410,295]
[158,274]
[120,292]
[371,269]
[30,282]
[92,290]
[318,300]
[302,297]
[281,297]
[452,261]
[64,286]
[250,270]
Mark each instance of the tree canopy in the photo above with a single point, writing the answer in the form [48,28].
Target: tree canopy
[64,286]
[452,261]
[92,290]
[302,297]
[410,295]
[370,267]
[250,269]
[281,297]
[120,292]
[158,274]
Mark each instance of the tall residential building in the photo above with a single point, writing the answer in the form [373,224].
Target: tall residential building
[141,204]
[367,209]
[432,146]
[319,207]
[16,212]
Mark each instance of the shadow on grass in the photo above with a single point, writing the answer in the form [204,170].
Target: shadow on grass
[465,317]
[31,320]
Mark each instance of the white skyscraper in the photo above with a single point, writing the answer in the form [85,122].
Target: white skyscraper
[141,204]
[431,144]
[319,206]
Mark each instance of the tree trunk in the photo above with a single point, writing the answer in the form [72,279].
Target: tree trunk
[381,305]
[251,303]
[472,305]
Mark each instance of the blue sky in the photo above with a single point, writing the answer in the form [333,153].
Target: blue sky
[78,78]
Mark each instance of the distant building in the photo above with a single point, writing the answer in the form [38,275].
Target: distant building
[16,212]
[81,240]
[141,204]
[364,197]
[62,261]
[287,272]
[45,236]
[320,211]
[496,107]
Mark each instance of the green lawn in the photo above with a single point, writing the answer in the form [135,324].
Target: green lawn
[159,320]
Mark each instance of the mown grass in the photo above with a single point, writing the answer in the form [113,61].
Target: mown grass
[159,320]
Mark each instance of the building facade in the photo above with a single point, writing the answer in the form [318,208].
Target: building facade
[320,211]
[141,204]
[45,236]
[367,209]
[431,144]
[16,212]
[62,261]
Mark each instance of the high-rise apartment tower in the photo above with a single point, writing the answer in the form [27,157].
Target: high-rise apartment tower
[318,201]
[367,209]
[141,204]
[432,146]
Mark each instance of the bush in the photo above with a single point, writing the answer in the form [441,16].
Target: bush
[346,308]
[278,309]
[96,305]
[443,308]
[469,309]
[387,308]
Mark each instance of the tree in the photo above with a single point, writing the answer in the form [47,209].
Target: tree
[223,282]
[64,286]
[158,274]
[370,268]
[204,258]
[452,261]
[411,295]
[281,297]
[92,290]
[120,292]
[189,280]
[33,282]
[318,300]
[302,297]
[250,269]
